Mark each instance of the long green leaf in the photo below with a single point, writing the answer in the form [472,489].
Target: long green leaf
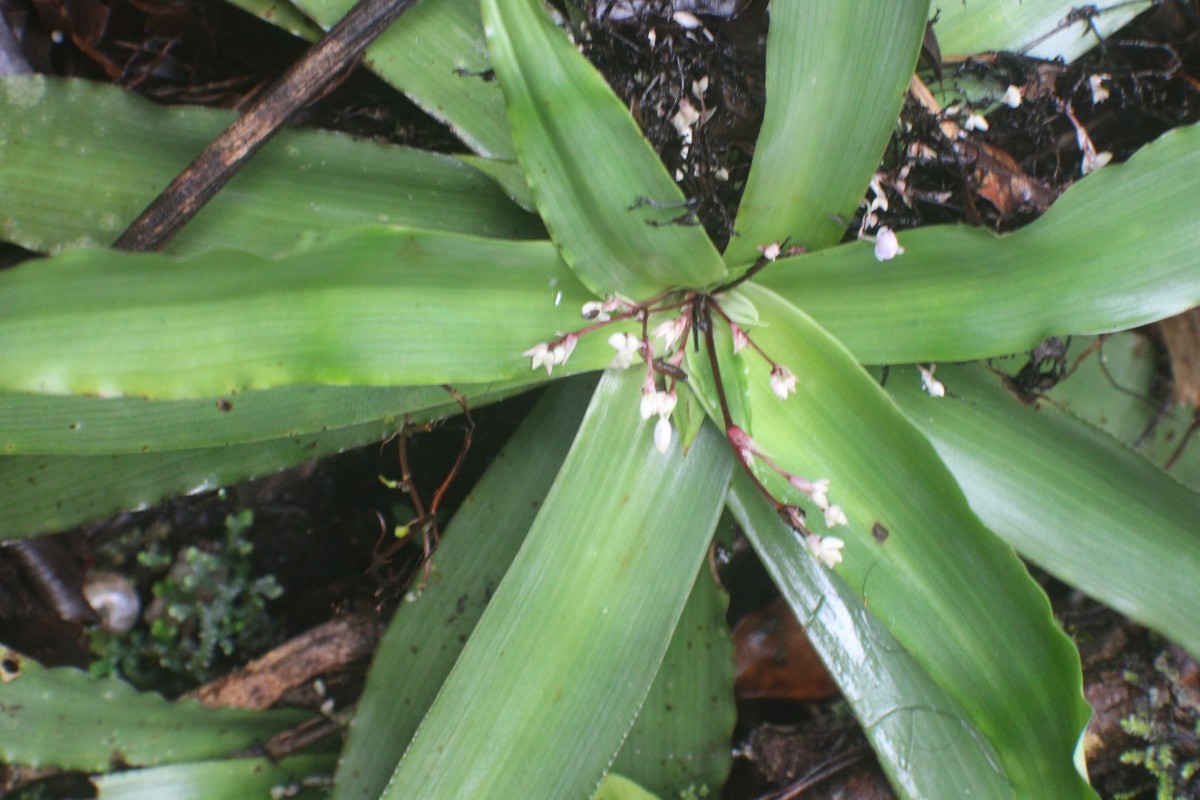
[1117,250]
[598,183]
[425,637]
[836,75]
[81,160]
[928,746]
[44,493]
[680,740]
[950,591]
[65,718]
[569,645]
[436,54]
[376,307]
[1040,28]
[42,425]
[236,779]
[1068,497]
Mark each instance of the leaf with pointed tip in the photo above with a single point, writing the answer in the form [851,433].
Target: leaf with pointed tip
[373,307]
[595,591]
[1067,496]
[919,557]
[426,635]
[606,199]
[1117,250]
[926,744]
[681,736]
[82,159]
[830,110]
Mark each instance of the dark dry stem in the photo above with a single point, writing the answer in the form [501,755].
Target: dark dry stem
[468,432]
[424,521]
[324,63]
[825,772]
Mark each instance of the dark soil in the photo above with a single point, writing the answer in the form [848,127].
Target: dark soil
[319,529]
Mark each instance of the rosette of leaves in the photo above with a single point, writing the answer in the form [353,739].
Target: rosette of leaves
[231,357]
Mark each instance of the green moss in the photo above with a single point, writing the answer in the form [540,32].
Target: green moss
[207,608]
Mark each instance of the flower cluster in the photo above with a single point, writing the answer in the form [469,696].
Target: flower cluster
[826,548]
[669,333]
[680,313]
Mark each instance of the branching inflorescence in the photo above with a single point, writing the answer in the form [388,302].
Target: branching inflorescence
[694,311]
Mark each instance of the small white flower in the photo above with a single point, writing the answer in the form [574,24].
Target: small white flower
[827,549]
[649,405]
[1012,96]
[666,405]
[562,351]
[595,310]
[1096,84]
[740,339]
[817,491]
[770,251]
[670,331]
[656,402]
[626,345]
[820,493]
[835,516]
[887,246]
[975,122]
[541,355]
[783,382]
[662,434]
[931,384]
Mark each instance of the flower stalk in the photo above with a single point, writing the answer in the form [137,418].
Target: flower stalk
[694,310]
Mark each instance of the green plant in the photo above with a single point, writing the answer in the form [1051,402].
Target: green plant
[957,670]
[1165,726]
[208,606]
